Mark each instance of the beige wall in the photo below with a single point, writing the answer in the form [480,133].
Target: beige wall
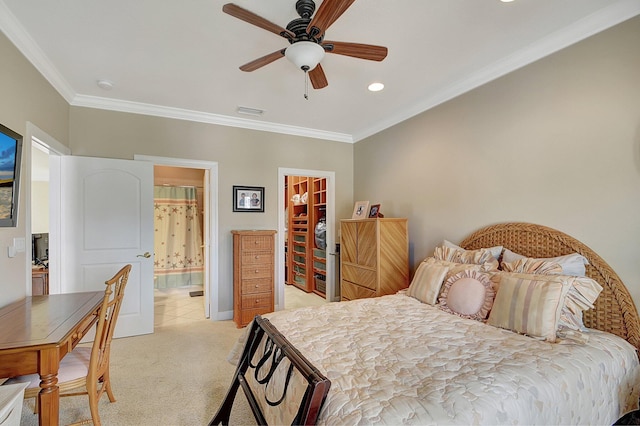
[26,96]
[555,143]
[244,157]
[39,207]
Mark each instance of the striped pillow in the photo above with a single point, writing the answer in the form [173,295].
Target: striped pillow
[426,282]
[529,305]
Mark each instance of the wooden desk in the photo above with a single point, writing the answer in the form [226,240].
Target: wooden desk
[37,332]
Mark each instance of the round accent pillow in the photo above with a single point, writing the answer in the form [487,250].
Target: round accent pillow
[468,294]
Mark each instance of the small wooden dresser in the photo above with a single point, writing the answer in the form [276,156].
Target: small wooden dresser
[374,258]
[253,274]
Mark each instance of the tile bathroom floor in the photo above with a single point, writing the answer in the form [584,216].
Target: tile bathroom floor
[173,306]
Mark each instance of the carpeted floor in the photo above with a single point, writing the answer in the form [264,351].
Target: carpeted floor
[176,376]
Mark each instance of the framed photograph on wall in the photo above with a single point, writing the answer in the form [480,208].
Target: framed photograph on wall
[360,210]
[248,198]
[374,211]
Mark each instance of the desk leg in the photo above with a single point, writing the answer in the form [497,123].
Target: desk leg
[49,396]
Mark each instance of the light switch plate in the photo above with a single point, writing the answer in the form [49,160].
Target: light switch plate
[19,244]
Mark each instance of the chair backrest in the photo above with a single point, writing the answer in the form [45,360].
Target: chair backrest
[113,295]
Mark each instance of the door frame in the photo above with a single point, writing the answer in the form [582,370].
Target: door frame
[331,224]
[210,221]
[56,150]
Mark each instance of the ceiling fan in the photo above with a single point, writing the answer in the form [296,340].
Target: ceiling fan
[306,36]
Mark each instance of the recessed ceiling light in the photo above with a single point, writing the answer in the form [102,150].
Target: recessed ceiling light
[376,87]
[506,1]
[250,111]
[105,84]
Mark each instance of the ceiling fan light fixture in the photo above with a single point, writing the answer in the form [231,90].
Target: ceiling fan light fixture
[305,55]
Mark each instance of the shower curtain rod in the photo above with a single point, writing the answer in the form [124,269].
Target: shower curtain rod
[181,186]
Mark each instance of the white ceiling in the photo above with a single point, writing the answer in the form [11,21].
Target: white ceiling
[180,58]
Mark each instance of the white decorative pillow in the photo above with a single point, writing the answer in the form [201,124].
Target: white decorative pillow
[476,257]
[496,251]
[468,294]
[426,282]
[529,304]
[572,264]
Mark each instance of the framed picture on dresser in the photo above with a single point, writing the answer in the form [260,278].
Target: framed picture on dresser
[360,210]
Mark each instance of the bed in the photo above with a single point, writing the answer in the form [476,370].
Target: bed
[398,360]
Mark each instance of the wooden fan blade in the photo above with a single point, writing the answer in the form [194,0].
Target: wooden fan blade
[328,12]
[317,77]
[250,17]
[261,62]
[356,50]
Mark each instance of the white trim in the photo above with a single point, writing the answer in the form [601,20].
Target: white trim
[56,149]
[586,27]
[204,117]
[592,24]
[210,220]
[331,226]
[20,38]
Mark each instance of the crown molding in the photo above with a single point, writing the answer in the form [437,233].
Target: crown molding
[586,27]
[20,38]
[598,21]
[204,117]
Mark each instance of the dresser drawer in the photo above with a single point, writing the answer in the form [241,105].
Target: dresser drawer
[361,276]
[257,257]
[251,272]
[351,291]
[247,315]
[257,301]
[259,285]
[256,242]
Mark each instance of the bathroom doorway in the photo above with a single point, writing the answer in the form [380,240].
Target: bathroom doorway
[179,255]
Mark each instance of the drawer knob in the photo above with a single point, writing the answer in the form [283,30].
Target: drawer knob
[257,300]
[255,242]
[257,286]
[257,271]
[257,257]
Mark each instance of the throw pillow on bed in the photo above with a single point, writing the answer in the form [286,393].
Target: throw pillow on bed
[572,264]
[426,284]
[496,251]
[481,257]
[529,304]
[468,294]
[532,266]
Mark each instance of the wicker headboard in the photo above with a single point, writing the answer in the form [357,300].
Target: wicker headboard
[614,310]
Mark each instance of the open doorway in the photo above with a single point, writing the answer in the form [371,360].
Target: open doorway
[306,243]
[43,235]
[179,251]
[207,178]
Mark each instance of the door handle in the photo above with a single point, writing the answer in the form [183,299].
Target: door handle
[145,255]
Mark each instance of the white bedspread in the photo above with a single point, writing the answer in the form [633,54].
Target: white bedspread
[394,360]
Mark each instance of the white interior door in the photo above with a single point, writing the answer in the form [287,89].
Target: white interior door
[107,222]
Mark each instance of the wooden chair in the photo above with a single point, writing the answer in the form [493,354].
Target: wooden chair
[89,367]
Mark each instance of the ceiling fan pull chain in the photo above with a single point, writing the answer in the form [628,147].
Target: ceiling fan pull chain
[306,85]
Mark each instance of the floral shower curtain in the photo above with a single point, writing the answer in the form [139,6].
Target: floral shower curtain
[179,259]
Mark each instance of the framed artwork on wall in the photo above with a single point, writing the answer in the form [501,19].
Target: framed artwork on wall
[360,210]
[248,198]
